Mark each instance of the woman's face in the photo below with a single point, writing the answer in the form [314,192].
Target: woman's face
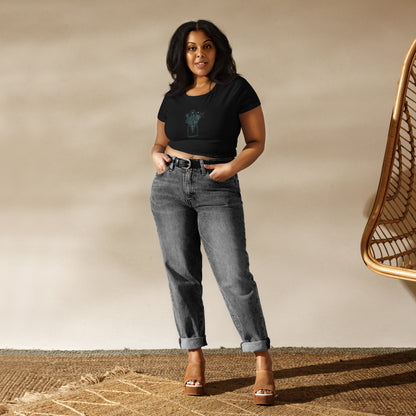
[200,53]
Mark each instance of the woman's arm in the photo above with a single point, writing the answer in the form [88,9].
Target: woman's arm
[254,131]
[159,157]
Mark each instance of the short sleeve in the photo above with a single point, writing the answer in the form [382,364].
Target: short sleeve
[162,113]
[248,98]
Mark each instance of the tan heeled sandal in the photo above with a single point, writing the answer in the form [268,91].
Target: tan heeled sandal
[195,372]
[264,381]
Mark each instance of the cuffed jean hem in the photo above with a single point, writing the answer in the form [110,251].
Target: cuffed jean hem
[192,343]
[255,346]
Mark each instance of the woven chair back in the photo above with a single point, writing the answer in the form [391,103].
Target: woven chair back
[388,245]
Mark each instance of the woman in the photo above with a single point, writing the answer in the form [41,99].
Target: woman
[196,197]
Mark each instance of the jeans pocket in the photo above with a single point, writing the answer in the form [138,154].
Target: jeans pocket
[162,173]
[231,180]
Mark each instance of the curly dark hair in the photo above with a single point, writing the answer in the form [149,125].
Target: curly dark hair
[224,69]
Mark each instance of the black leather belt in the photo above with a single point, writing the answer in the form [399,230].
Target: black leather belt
[196,163]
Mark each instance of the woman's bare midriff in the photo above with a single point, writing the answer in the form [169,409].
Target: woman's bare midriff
[184,155]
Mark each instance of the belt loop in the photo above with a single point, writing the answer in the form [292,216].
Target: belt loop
[202,163]
[172,162]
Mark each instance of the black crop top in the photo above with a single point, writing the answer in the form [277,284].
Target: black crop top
[208,124]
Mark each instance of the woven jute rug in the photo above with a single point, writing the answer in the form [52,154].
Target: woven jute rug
[309,382]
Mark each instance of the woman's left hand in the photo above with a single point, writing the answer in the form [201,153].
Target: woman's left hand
[221,171]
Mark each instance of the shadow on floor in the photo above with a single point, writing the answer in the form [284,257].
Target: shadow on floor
[305,394]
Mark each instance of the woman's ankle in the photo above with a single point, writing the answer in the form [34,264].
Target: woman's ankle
[196,355]
[264,360]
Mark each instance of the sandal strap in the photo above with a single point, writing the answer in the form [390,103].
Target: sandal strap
[195,371]
[264,381]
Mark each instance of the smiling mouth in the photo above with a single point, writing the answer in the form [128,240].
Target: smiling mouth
[201,64]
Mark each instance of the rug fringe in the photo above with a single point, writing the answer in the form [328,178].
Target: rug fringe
[86,380]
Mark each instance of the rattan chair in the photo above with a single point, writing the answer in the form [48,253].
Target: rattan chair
[388,244]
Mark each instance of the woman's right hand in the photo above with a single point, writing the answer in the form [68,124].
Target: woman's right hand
[160,161]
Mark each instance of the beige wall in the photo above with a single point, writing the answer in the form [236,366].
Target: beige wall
[81,82]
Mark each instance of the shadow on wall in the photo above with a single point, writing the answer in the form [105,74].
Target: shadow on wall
[411,287]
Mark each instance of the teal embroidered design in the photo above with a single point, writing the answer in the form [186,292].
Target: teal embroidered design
[192,120]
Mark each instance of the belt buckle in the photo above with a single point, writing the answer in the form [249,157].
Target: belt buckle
[189,164]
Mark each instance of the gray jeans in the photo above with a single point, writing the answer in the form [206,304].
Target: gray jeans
[189,207]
